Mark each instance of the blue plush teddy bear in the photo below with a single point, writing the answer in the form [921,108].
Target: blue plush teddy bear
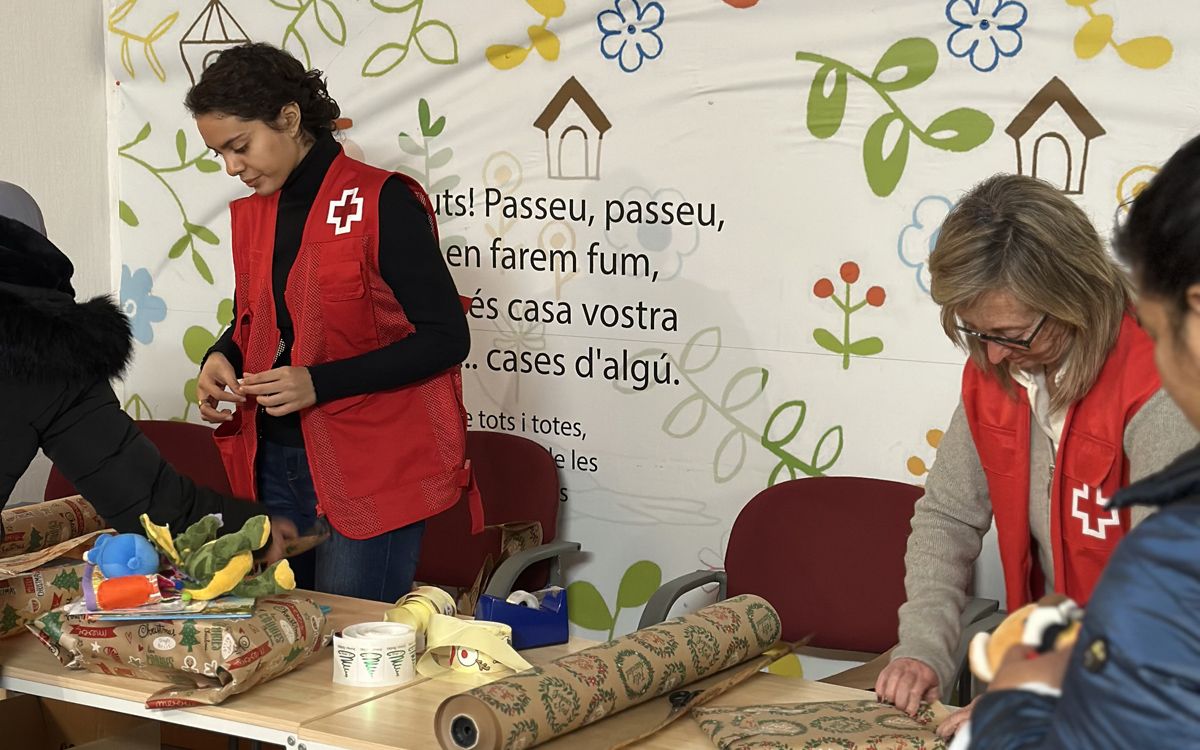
[123,555]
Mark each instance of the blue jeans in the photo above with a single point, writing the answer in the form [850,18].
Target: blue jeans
[379,568]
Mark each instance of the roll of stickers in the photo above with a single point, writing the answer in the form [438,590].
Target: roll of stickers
[524,599]
[375,654]
[535,706]
[469,649]
[417,606]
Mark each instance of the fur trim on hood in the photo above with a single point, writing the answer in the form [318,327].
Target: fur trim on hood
[47,335]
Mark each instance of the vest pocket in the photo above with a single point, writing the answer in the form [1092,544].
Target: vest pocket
[997,449]
[1088,463]
[342,281]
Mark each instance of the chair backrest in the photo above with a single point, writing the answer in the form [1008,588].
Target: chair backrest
[17,204]
[828,553]
[518,481]
[186,446]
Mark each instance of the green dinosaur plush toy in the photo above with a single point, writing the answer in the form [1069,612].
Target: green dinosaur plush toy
[216,566]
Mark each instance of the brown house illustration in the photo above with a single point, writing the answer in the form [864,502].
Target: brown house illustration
[574,126]
[1062,155]
[213,31]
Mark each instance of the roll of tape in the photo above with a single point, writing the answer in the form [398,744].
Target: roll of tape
[469,648]
[417,606]
[524,598]
[375,654]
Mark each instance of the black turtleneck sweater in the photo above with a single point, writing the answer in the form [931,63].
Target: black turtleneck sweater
[410,262]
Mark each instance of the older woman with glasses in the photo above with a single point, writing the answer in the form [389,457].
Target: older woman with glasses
[1061,406]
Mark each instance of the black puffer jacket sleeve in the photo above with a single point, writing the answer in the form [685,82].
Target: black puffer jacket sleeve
[102,452]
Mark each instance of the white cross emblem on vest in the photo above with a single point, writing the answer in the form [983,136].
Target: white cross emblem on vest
[344,212]
[1103,521]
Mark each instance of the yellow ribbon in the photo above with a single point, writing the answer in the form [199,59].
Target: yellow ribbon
[468,649]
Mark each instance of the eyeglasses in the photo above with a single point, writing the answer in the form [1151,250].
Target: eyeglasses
[1025,343]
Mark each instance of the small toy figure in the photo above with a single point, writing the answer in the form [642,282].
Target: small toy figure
[1048,625]
[123,555]
[214,566]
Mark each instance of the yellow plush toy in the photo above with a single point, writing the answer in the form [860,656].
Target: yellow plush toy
[1048,625]
[213,566]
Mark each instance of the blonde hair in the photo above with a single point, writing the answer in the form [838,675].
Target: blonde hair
[1021,235]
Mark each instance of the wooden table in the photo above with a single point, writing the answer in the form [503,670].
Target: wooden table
[271,712]
[403,720]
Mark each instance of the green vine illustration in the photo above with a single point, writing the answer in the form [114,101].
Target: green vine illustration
[875,297]
[146,40]
[687,417]
[136,407]
[1146,52]
[191,230]
[388,56]
[541,38]
[587,608]
[330,21]
[905,65]
[430,160]
[197,340]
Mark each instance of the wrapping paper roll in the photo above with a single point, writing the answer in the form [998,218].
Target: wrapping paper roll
[469,648]
[375,654]
[417,607]
[539,704]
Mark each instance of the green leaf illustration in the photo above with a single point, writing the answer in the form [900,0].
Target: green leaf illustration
[779,469]
[867,347]
[960,129]
[907,63]
[587,608]
[828,450]
[884,170]
[180,245]
[788,412]
[202,267]
[638,584]
[207,165]
[332,24]
[409,146]
[202,233]
[196,343]
[828,341]
[436,128]
[126,213]
[694,359]
[825,113]
[395,8]
[423,116]
[731,450]
[437,42]
[384,58]
[142,135]
[136,407]
[448,182]
[189,391]
[181,145]
[743,388]
[687,416]
[225,312]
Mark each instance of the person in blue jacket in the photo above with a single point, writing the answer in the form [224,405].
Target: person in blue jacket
[1133,678]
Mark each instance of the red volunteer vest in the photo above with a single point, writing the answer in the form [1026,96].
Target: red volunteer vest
[1090,467]
[380,460]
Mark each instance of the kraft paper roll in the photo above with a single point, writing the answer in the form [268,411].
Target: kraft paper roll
[375,654]
[468,649]
[535,706]
[417,606]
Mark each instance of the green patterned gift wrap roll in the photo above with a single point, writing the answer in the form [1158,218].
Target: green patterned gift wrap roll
[539,704]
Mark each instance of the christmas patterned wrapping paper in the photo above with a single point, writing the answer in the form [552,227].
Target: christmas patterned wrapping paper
[39,526]
[834,725]
[539,704]
[207,660]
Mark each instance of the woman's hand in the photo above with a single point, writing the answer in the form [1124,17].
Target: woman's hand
[217,383]
[906,684]
[281,391]
[955,720]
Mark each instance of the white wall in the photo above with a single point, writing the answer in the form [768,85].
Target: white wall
[55,142]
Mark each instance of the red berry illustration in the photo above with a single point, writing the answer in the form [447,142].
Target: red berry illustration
[849,272]
[823,288]
[876,296]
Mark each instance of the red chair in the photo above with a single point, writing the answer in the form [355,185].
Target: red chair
[186,446]
[828,553]
[518,481]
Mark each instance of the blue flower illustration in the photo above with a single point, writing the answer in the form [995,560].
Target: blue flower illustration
[918,238]
[629,32]
[984,37]
[142,307]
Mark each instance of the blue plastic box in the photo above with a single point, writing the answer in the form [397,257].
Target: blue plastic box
[531,628]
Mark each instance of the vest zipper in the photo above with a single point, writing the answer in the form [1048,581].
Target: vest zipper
[262,409]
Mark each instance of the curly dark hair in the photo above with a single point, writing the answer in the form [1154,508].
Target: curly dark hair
[255,81]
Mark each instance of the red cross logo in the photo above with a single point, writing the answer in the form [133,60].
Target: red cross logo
[344,212]
[1103,520]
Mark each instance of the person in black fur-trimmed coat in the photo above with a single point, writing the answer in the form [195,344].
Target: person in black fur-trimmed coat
[57,357]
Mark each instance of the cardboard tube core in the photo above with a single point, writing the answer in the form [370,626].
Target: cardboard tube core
[464,732]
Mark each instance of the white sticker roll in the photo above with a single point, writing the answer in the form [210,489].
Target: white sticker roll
[523,598]
[375,654]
